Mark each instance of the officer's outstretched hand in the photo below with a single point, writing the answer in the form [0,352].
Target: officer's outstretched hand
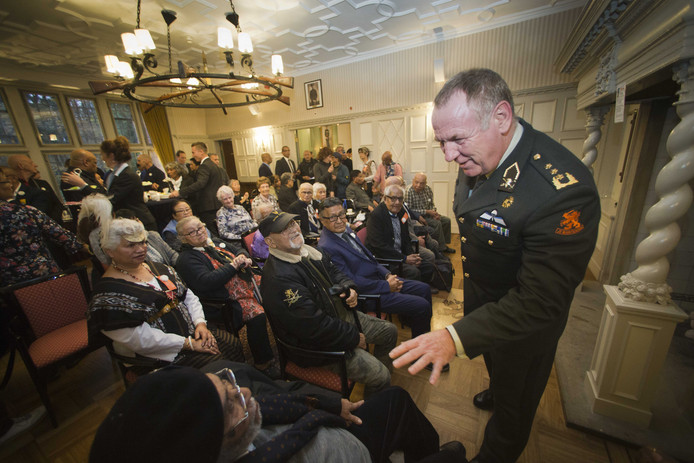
[436,347]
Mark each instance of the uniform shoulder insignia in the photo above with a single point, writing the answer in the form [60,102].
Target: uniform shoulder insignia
[290,297]
[556,175]
[570,223]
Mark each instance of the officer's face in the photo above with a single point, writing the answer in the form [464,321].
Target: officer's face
[462,139]
[334,219]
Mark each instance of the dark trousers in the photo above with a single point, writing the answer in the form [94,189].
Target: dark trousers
[517,383]
[391,421]
[258,340]
[412,304]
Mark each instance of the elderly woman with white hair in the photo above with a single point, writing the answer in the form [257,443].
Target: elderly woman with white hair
[232,220]
[146,309]
[319,191]
[96,213]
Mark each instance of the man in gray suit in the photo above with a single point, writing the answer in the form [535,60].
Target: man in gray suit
[209,178]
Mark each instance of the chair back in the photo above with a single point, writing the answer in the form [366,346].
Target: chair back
[54,301]
[361,234]
[247,239]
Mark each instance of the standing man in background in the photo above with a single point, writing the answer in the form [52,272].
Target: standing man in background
[265,170]
[86,178]
[527,230]
[209,177]
[181,159]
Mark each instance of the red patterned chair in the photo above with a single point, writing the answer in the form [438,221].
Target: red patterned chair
[48,324]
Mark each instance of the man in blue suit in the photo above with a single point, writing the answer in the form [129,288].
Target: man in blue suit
[410,299]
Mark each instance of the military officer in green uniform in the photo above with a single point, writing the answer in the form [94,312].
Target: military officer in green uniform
[528,220]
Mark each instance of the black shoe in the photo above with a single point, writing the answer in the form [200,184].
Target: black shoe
[455,448]
[449,250]
[445,368]
[434,290]
[484,400]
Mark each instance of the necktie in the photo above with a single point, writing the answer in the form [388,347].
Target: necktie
[312,217]
[348,238]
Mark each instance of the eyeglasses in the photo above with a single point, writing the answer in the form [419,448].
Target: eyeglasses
[228,376]
[181,211]
[197,231]
[335,218]
[395,199]
[293,224]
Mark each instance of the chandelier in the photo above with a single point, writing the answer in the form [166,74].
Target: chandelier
[187,86]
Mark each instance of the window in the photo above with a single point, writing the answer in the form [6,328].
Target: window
[123,119]
[87,120]
[49,122]
[8,133]
[148,139]
[57,162]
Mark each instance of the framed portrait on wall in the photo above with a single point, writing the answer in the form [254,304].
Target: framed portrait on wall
[314,94]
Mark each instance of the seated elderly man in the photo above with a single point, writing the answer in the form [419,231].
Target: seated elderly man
[357,194]
[305,207]
[286,195]
[410,299]
[150,173]
[389,236]
[183,414]
[300,288]
[420,199]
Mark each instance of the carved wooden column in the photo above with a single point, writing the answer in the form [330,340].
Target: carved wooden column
[595,116]
[639,317]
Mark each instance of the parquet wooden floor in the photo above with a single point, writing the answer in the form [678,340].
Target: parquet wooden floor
[83,395]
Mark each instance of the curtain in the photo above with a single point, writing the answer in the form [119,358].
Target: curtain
[158,127]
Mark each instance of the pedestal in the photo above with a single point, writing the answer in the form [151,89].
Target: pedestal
[632,344]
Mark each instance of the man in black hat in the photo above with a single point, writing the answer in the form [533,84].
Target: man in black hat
[182,414]
[312,302]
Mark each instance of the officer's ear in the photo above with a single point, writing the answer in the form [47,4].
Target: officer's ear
[502,117]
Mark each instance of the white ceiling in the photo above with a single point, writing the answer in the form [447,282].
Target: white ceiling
[63,41]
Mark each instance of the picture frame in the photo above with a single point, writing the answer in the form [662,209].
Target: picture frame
[313,91]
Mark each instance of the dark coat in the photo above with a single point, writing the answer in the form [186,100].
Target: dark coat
[519,281]
[208,178]
[40,194]
[380,238]
[282,166]
[285,197]
[299,208]
[93,186]
[127,193]
[154,175]
[302,309]
[264,171]
[306,169]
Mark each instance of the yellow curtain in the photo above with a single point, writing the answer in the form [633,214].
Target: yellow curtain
[158,127]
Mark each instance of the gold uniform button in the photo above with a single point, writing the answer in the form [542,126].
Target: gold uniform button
[466,275]
[537,157]
[463,258]
[463,239]
[461,219]
[490,242]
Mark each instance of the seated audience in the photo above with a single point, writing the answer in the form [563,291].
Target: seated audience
[234,414]
[320,192]
[259,248]
[420,199]
[157,249]
[306,209]
[298,285]
[241,199]
[275,184]
[323,171]
[232,220]
[180,209]
[145,308]
[356,193]
[176,176]
[386,169]
[24,231]
[124,187]
[341,174]
[264,197]
[306,167]
[33,190]
[81,178]
[410,299]
[286,195]
[389,237]
[219,271]
[150,173]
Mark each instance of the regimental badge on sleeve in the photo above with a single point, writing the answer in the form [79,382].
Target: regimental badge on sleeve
[290,297]
[570,223]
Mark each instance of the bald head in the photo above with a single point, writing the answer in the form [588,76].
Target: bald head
[84,160]
[23,165]
[419,182]
[394,180]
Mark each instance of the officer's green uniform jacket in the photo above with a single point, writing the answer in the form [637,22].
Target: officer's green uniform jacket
[527,234]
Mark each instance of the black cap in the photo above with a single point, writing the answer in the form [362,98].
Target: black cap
[173,414]
[276,222]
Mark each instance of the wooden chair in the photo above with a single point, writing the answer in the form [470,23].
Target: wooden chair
[48,324]
[132,368]
[394,265]
[247,241]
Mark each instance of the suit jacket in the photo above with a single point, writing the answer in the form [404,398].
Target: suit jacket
[380,238]
[300,208]
[363,269]
[208,178]
[264,171]
[154,175]
[93,186]
[40,194]
[525,246]
[126,193]
[286,197]
[282,166]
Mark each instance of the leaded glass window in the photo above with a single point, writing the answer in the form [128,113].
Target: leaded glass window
[8,132]
[123,119]
[87,120]
[49,122]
